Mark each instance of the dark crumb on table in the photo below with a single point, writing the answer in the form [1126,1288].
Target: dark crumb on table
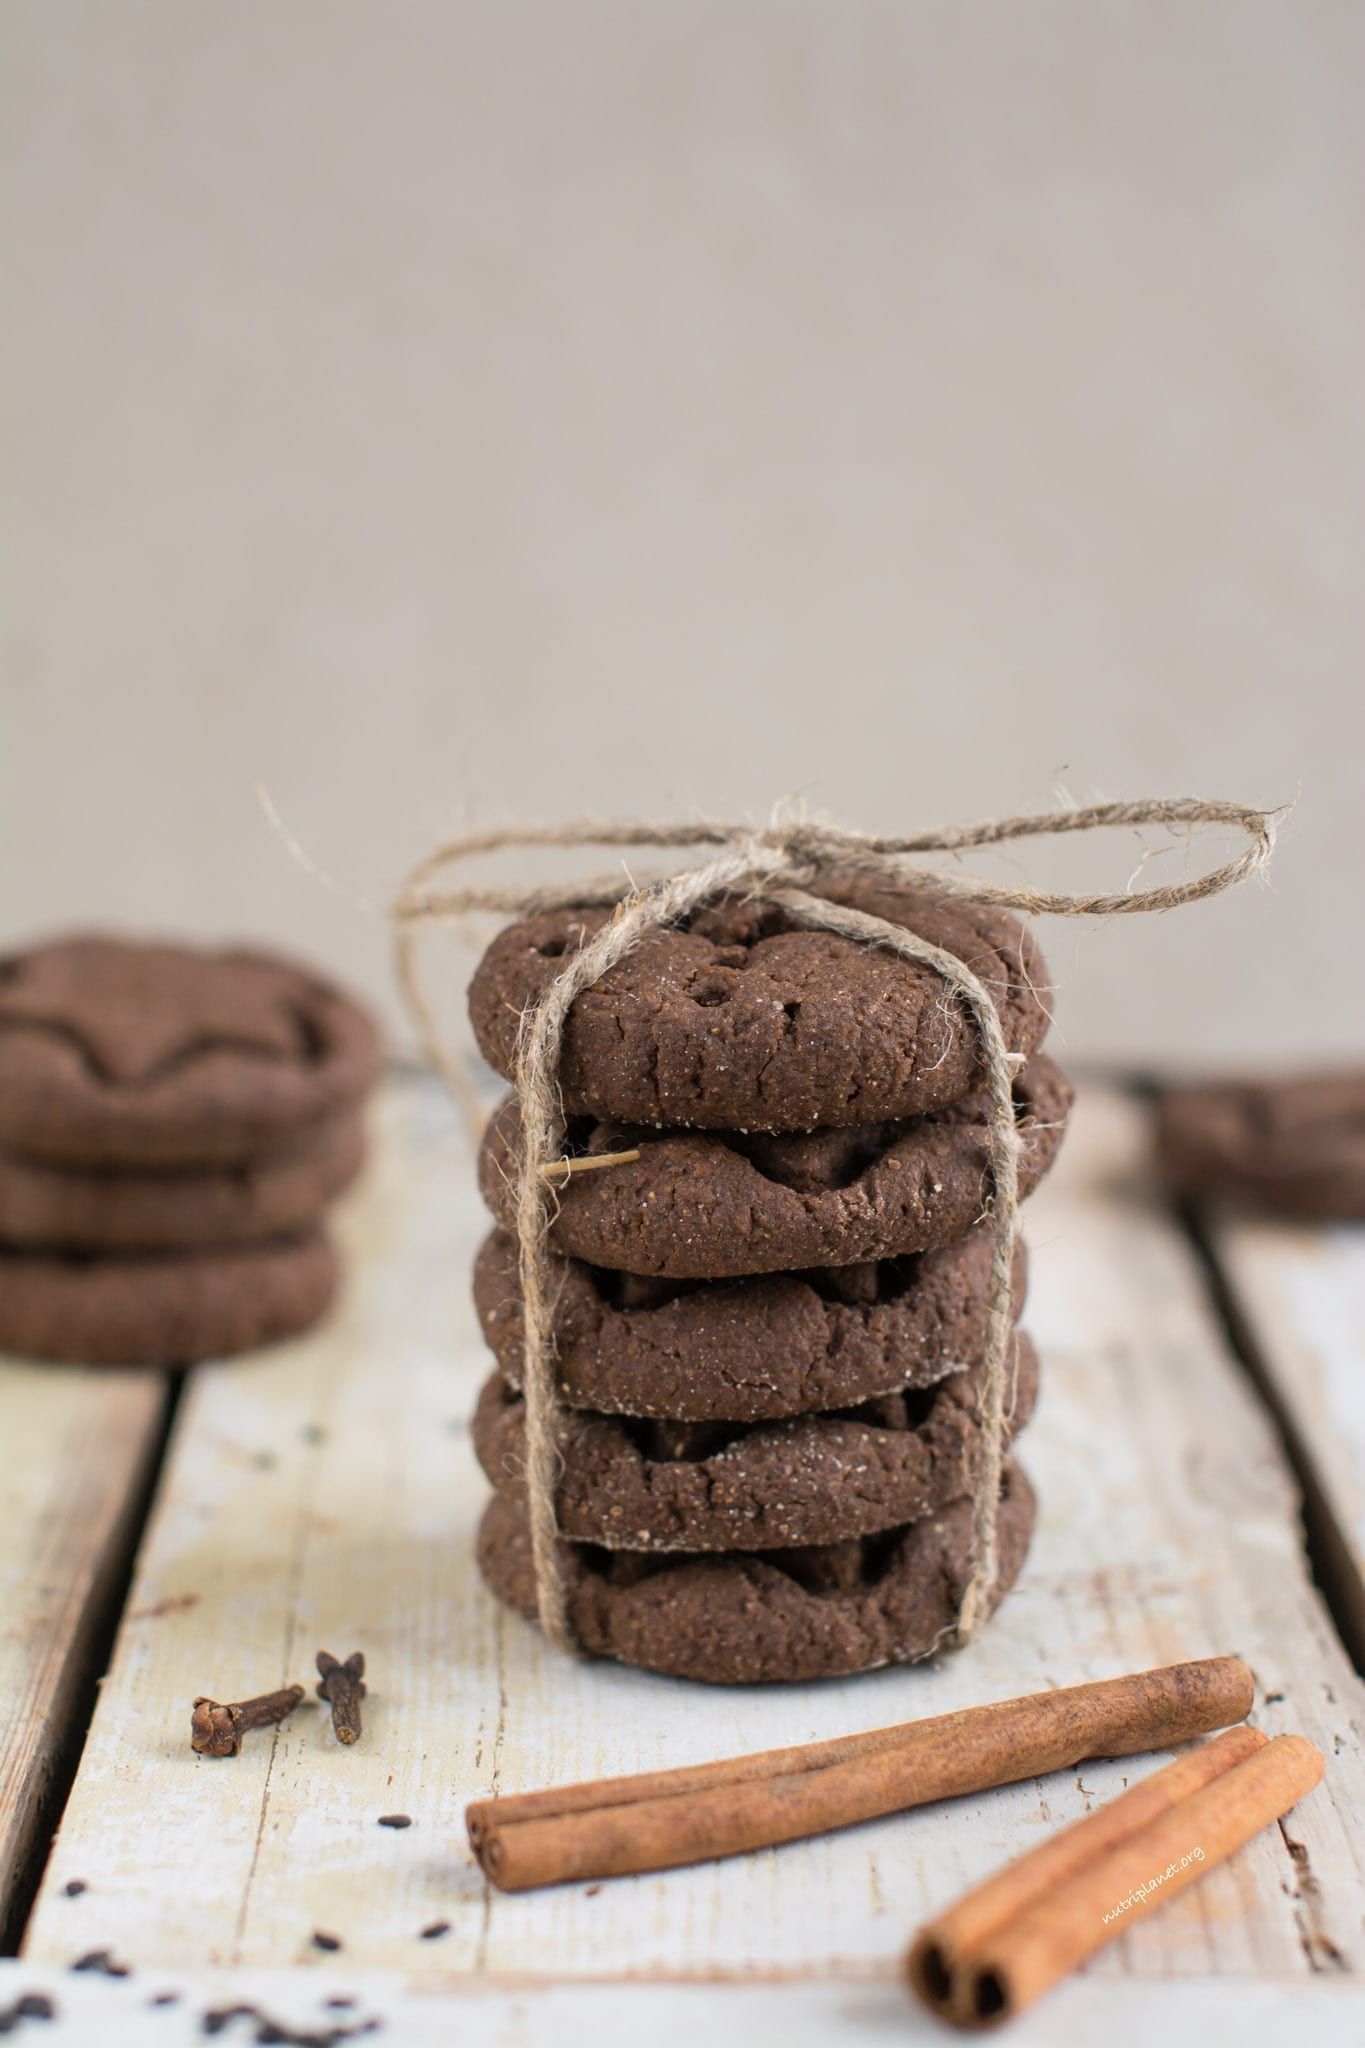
[74,1886]
[592,1891]
[339,2003]
[30,2005]
[270,2030]
[435,1930]
[395,1820]
[101,1961]
[165,1998]
[328,1942]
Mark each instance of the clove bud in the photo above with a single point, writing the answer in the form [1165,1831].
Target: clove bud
[217,1730]
[343,1687]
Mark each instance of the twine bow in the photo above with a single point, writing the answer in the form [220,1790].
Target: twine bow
[782,863]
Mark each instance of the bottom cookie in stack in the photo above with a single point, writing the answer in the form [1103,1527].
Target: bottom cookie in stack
[164,1308]
[745,1617]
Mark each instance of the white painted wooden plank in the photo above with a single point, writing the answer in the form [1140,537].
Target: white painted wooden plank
[75,1447]
[1300,1293]
[1168,1530]
[318,1495]
[482,2012]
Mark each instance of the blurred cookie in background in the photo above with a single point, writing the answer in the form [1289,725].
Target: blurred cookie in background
[163,1308]
[122,1052]
[1289,1145]
[175,1124]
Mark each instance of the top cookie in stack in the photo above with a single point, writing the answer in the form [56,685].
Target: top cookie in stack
[173,1125]
[763,1477]
[742,1020]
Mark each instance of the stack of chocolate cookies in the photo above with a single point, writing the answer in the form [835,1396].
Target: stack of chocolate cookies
[173,1127]
[769,1325]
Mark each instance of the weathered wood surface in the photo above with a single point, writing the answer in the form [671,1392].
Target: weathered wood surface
[75,1450]
[480,2012]
[1300,1304]
[326,1496]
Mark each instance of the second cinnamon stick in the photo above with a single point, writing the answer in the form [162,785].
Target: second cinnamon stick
[943,1949]
[1029,1952]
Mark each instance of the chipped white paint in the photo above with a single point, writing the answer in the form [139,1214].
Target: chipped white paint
[75,1448]
[1167,1530]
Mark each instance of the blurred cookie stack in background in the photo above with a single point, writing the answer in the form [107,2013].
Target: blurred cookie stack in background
[1285,1145]
[769,1320]
[174,1124]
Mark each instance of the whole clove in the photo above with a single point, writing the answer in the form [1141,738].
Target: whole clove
[343,1687]
[30,2005]
[217,1729]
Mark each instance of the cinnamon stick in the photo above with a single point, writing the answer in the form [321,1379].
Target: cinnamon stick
[665,1818]
[1029,1953]
[943,1951]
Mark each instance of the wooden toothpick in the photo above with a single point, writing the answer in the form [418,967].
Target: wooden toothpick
[560,1169]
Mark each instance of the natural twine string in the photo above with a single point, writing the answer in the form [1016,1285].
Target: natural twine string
[782,864]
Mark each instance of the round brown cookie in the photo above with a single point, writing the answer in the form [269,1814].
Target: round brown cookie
[1292,1147]
[704,1205]
[115,1209]
[167,1309]
[742,1019]
[748,1350]
[121,1053]
[645,1485]
[741,1618]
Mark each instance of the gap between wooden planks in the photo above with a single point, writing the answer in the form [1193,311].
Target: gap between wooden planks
[1296,1302]
[76,1450]
[325,1496]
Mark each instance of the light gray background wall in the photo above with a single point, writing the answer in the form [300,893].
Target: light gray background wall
[444,412]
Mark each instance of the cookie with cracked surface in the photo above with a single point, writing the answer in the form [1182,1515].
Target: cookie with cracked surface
[742,1019]
[649,1485]
[1290,1145]
[709,1205]
[746,1618]
[119,1209]
[748,1350]
[121,1052]
[165,1309]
